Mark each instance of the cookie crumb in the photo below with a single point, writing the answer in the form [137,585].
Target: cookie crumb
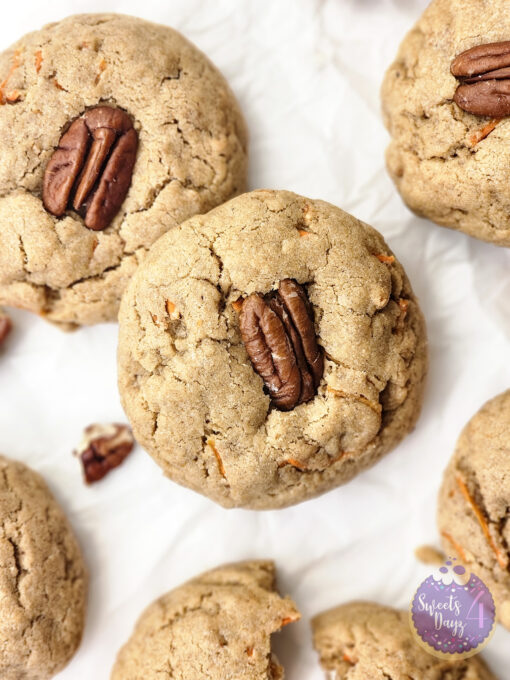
[428,554]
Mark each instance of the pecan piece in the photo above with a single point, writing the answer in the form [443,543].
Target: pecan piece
[270,351]
[484,74]
[103,448]
[92,167]
[279,335]
[301,312]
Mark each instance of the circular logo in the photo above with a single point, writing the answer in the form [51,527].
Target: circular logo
[453,614]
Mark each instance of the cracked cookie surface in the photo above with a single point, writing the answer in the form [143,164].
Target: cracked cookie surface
[474,501]
[191,156]
[43,580]
[216,626]
[449,165]
[366,641]
[187,384]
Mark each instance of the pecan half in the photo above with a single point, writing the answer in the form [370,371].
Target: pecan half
[91,169]
[103,448]
[279,335]
[484,73]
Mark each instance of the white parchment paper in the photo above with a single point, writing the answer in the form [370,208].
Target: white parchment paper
[307,74]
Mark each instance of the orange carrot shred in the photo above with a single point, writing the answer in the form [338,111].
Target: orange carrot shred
[237,304]
[304,468]
[221,467]
[481,520]
[484,132]
[170,307]
[38,60]
[102,66]
[459,549]
[295,463]
[388,259]
[14,65]
[371,404]
[290,619]
[348,658]
[303,232]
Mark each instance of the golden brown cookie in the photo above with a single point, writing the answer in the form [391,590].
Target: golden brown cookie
[449,153]
[218,625]
[366,641]
[270,350]
[80,102]
[43,580]
[474,502]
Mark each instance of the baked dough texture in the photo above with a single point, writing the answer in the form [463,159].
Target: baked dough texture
[191,156]
[216,626]
[449,165]
[366,641]
[474,501]
[43,580]
[188,387]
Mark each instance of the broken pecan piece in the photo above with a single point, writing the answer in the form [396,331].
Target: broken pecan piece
[103,448]
[92,167]
[279,335]
[484,74]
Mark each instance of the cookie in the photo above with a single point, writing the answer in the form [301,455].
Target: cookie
[43,580]
[114,130]
[366,641]
[474,501]
[270,350]
[218,625]
[447,113]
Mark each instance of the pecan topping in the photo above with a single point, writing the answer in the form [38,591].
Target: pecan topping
[91,169]
[279,335]
[484,73]
[103,448]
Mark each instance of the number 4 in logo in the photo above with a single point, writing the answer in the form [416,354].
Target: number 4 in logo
[481,611]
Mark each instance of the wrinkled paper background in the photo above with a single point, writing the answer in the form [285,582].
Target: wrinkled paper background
[307,74]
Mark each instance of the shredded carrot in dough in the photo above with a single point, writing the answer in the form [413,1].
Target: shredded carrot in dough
[237,304]
[304,468]
[221,467]
[295,463]
[38,61]
[102,66]
[15,62]
[290,619]
[388,259]
[482,521]
[458,548]
[377,408]
[484,132]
